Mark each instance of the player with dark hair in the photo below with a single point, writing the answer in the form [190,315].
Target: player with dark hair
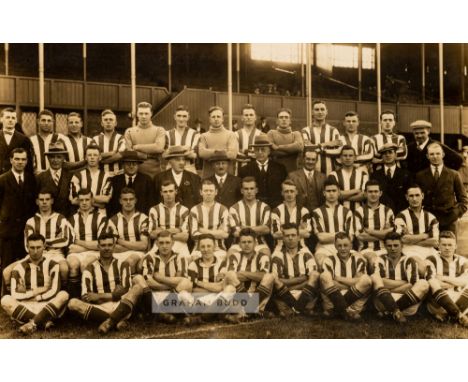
[344,282]
[250,212]
[329,219]
[388,135]
[92,177]
[323,136]
[350,179]
[296,278]
[164,271]
[87,225]
[130,227]
[209,217]
[398,289]
[182,135]
[287,145]
[36,299]
[290,212]
[108,297]
[171,216]
[110,143]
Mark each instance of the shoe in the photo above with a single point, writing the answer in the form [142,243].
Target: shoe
[398,316]
[49,324]
[232,318]
[353,316]
[122,325]
[167,318]
[462,320]
[105,327]
[28,328]
[266,315]
[192,320]
[440,317]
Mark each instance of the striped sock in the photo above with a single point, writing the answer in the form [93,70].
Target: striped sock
[462,301]
[22,314]
[241,288]
[338,300]
[407,300]
[284,294]
[94,314]
[387,300]
[123,310]
[47,313]
[352,295]
[444,300]
[308,294]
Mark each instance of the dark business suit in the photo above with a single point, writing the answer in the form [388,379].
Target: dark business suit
[188,193]
[61,191]
[309,195]
[446,198]
[17,204]
[230,193]
[17,140]
[417,159]
[269,184]
[394,189]
[144,190]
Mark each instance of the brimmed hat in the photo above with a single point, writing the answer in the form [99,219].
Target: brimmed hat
[261,140]
[130,156]
[57,148]
[421,124]
[175,151]
[387,147]
[219,155]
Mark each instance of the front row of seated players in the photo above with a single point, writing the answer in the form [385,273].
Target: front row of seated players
[289,282]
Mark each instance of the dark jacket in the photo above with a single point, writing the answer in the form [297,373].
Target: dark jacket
[417,160]
[144,190]
[269,184]
[188,193]
[394,190]
[309,198]
[17,140]
[446,198]
[61,192]
[17,204]
[230,193]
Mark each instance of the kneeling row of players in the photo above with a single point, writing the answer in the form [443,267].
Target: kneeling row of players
[289,282]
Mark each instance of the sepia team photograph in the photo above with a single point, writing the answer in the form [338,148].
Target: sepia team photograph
[214,189]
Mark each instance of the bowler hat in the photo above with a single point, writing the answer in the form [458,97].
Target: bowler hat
[130,156]
[261,140]
[57,147]
[387,147]
[175,151]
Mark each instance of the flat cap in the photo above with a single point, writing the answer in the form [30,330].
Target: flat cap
[421,123]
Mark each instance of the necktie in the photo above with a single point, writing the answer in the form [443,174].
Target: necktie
[436,174]
[310,177]
[7,132]
[56,178]
[263,169]
[389,173]
[130,181]
[221,182]
[20,181]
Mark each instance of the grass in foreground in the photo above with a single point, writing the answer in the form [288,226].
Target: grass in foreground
[297,327]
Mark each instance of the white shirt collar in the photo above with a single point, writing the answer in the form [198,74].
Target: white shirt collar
[177,177]
[307,172]
[219,178]
[421,146]
[17,175]
[439,167]
[392,169]
[263,164]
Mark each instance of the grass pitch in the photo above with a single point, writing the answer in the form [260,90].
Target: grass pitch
[420,326]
